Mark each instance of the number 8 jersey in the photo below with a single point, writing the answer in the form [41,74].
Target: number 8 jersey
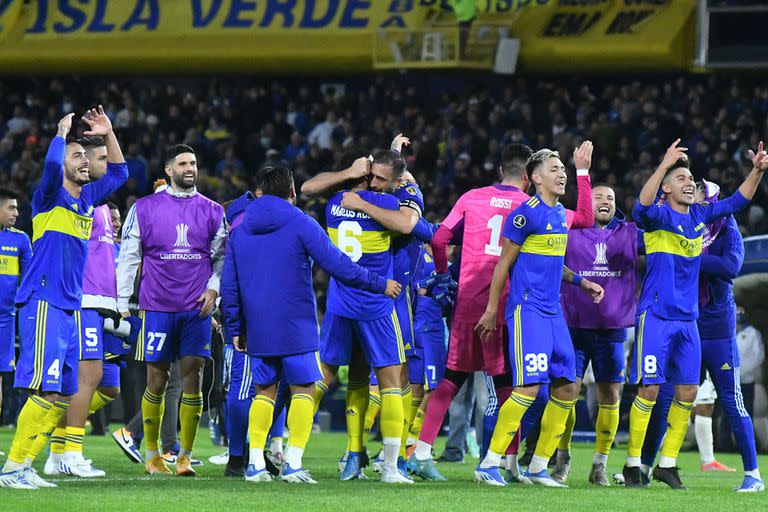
[368,244]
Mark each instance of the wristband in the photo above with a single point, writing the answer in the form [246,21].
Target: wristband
[577,279]
[582,172]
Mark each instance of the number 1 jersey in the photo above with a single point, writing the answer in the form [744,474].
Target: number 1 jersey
[476,220]
[368,244]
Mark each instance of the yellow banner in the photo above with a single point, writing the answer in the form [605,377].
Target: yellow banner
[324,35]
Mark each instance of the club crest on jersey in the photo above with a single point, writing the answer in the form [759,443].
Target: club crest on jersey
[600,254]
[181,236]
[411,190]
[519,221]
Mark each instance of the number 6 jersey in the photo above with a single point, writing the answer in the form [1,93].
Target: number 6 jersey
[368,244]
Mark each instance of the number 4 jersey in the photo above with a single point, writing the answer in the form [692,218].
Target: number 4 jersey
[368,244]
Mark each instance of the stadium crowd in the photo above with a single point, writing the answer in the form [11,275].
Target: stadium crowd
[458,130]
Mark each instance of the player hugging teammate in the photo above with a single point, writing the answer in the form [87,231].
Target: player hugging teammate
[513,318]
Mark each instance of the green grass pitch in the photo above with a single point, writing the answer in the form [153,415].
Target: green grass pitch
[127,488]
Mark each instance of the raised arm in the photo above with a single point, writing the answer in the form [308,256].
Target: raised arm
[759,165]
[509,253]
[651,187]
[584,216]
[117,169]
[53,169]
[327,183]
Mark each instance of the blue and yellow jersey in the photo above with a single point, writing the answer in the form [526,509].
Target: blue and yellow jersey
[406,248]
[61,226]
[673,248]
[541,231]
[15,253]
[369,245]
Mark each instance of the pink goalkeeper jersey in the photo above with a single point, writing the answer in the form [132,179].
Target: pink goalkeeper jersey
[477,220]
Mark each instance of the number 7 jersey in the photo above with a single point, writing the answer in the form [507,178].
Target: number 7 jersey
[368,244]
[476,220]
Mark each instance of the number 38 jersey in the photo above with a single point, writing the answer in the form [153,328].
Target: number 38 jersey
[368,244]
[476,221]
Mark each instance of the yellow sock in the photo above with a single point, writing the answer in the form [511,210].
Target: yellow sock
[677,421]
[605,427]
[152,413]
[510,415]
[50,420]
[98,401]
[553,425]
[565,441]
[260,421]
[639,415]
[27,427]
[418,421]
[357,403]
[412,412]
[190,410]
[300,419]
[392,415]
[58,439]
[74,439]
[374,404]
[407,396]
[320,390]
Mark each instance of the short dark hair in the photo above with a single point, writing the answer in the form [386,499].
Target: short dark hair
[348,157]
[91,142]
[513,159]
[681,162]
[275,180]
[387,157]
[112,206]
[8,194]
[174,151]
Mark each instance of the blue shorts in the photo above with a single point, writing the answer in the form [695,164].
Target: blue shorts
[373,380]
[167,337]
[404,312]
[49,348]
[605,348]
[295,370]
[115,347]
[665,351]
[434,354]
[240,383]
[111,376]
[7,343]
[90,326]
[379,340]
[540,348]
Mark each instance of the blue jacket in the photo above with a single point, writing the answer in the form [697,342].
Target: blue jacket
[720,266]
[267,278]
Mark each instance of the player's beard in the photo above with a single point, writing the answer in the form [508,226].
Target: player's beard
[74,177]
[180,183]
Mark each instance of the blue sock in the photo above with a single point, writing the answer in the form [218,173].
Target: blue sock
[278,425]
[721,358]
[533,415]
[490,416]
[657,426]
[237,422]
[223,417]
